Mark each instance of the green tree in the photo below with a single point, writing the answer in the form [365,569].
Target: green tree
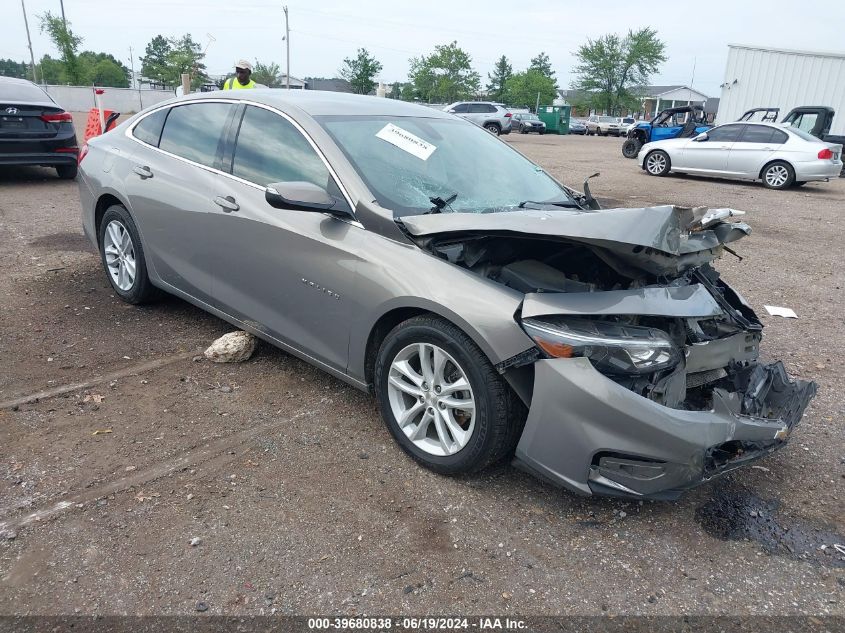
[611,67]
[50,71]
[502,71]
[165,60]
[102,69]
[522,88]
[543,65]
[361,71]
[269,75]
[444,76]
[185,56]
[11,68]
[154,61]
[67,43]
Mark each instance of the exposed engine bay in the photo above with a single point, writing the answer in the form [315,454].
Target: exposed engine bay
[649,281]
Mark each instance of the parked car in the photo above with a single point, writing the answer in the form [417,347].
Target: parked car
[526,123]
[681,122]
[602,125]
[493,117]
[816,120]
[778,156]
[492,310]
[625,124]
[34,129]
[576,126]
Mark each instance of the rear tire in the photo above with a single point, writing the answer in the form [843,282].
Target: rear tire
[497,415]
[493,128]
[131,284]
[778,175]
[657,163]
[67,172]
[630,148]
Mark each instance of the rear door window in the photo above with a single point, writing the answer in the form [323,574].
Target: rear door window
[194,131]
[149,129]
[270,149]
[757,134]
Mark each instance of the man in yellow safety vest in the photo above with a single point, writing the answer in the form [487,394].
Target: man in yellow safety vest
[241,80]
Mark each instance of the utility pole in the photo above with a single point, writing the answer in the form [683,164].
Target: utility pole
[132,65]
[287,48]
[64,22]
[29,42]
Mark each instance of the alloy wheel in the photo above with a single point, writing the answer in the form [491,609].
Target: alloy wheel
[120,255]
[431,399]
[656,163]
[777,175]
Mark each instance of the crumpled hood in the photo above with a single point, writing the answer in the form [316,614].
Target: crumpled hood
[661,240]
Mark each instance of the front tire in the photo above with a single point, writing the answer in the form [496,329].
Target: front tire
[778,175]
[442,399]
[657,163]
[630,148]
[123,257]
[522,129]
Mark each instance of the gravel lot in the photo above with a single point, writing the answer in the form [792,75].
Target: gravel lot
[303,504]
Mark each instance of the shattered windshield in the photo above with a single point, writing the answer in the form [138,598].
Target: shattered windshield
[416,165]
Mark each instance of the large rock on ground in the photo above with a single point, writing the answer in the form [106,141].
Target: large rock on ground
[234,347]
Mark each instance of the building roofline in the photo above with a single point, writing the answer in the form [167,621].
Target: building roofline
[680,88]
[791,51]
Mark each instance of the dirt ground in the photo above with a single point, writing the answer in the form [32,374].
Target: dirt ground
[301,502]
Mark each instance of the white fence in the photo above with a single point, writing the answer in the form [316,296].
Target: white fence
[124,100]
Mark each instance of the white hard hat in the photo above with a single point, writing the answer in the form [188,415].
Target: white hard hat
[242,63]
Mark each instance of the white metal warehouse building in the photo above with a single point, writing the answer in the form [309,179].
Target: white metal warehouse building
[758,77]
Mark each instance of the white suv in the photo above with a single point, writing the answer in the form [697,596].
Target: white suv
[603,125]
[493,117]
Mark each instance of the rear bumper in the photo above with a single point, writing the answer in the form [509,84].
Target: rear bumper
[818,170]
[52,158]
[593,436]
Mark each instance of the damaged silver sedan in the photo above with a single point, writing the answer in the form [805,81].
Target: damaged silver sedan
[494,312]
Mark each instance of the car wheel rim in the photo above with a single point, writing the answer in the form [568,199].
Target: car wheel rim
[776,176]
[431,399]
[493,129]
[120,255]
[656,163]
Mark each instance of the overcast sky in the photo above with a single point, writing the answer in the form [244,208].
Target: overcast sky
[696,32]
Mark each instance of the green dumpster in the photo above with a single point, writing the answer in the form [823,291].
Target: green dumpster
[556,118]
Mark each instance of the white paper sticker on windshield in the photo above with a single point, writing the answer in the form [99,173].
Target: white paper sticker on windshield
[404,140]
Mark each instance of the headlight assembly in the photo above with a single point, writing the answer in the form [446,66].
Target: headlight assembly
[612,348]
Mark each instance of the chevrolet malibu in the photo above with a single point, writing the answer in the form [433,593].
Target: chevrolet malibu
[779,156]
[492,311]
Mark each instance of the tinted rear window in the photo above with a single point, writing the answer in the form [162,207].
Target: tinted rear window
[149,129]
[194,131]
[21,92]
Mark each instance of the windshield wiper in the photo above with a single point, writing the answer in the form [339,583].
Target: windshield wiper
[569,204]
[441,203]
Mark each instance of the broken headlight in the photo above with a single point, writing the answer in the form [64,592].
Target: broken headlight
[611,347]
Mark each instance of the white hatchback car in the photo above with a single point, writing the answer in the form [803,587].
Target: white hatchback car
[779,156]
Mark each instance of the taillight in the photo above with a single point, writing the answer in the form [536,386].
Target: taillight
[825,154]
[508,115]
[83,152]
[57,117]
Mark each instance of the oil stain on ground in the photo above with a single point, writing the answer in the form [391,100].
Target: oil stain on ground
[735,513]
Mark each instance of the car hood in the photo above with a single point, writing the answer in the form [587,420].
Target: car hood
[663,240]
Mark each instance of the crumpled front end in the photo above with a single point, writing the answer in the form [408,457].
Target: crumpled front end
[646,378]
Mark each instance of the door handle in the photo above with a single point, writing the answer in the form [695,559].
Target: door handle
[143,171]
[228,203]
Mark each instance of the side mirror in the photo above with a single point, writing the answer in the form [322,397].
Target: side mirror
[701,137]
[452,111]
[303,196]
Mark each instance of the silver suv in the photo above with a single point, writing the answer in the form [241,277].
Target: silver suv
[493,117]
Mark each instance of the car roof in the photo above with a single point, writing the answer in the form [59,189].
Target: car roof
[322,102]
